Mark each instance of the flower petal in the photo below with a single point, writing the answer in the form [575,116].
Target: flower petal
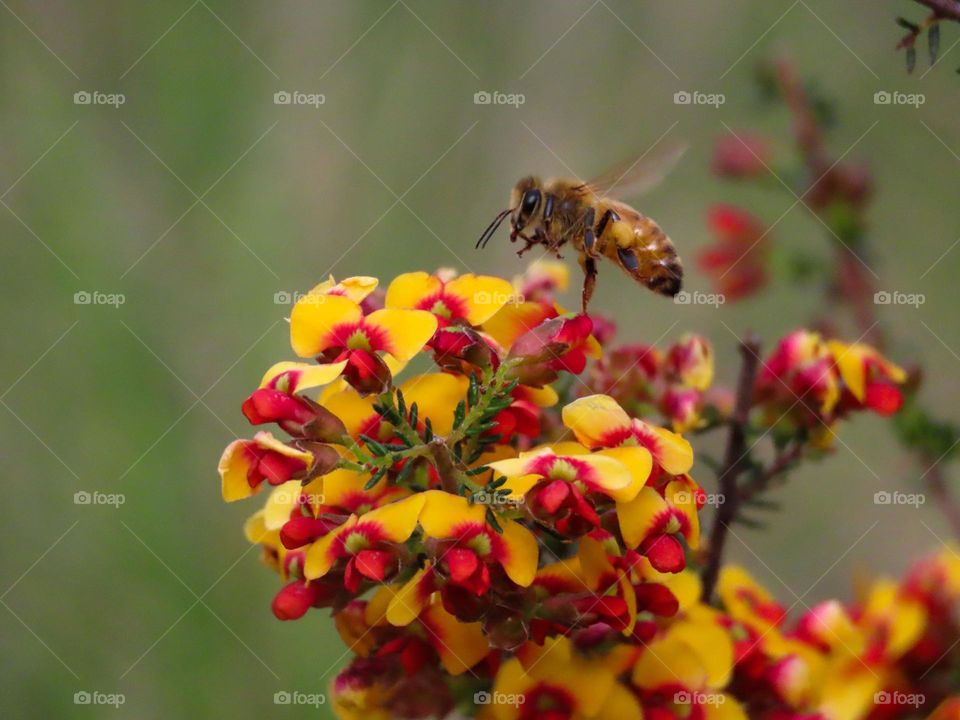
[482,295]
[638,517]
[519,553]
[405,331]
[291,377]
[445,515]
[436,396]
[235,463]
[314,317]
[321,555]
[460,645]
[594,418]
[412,598]
[397,521]
[356,288]
[409,289]
[281,502]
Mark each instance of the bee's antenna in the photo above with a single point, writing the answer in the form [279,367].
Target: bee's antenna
[492,228]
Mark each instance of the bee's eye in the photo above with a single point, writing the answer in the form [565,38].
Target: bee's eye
[530,200]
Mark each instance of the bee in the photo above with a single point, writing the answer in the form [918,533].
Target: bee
[554,212]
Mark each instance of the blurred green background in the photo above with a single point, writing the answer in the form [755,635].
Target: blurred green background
[199,199]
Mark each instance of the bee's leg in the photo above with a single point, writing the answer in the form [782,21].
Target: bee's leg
[605,220]
[589,237]
[589,265]
[528,243]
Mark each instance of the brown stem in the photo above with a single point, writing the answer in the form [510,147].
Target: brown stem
[733,463]
[762,481]
[443,459]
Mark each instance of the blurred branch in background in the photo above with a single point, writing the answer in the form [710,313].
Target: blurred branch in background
[941,10]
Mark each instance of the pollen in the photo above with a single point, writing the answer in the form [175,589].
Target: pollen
[358,340]
[563,470]
[356,542]
[480,544]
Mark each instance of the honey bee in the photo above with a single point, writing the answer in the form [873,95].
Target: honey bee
[561,210]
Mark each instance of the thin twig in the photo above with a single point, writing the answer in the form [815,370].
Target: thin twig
[733,463]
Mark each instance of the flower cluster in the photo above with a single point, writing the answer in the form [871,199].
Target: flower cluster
[648,381]
[453,526]
[494,543]
[808,383]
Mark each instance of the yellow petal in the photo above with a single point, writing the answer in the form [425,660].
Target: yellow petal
[620,704]
[482,295]
[444,515]
[283,498]
[406,331]
[375,613]
[301,376]
[436,396]
[356,288]
[637,517]
[521,553]
[673,452]
[407,604]
[320,557]
[396,521]
[312,319]
[680,495]
[513,320]
[850,362]
[460,645]
[668,661]
[638,460]
[354,411]
[408,289]
[712,645]
[233,467]
[593,418]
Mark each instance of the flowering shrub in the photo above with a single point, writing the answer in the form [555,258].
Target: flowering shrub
[496,541]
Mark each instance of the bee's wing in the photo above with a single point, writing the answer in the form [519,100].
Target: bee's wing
[640,173]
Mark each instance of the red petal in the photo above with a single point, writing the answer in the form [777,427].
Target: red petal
[294,600]
[462,563]
[665,553]
[883,399]
[373,563]
[552,495]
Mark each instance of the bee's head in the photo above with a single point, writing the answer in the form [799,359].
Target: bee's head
[525,200]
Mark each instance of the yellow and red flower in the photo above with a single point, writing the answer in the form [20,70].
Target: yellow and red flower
[368,545]
[470,299]
[333,328]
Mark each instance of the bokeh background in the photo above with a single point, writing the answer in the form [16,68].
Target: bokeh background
[199,200]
